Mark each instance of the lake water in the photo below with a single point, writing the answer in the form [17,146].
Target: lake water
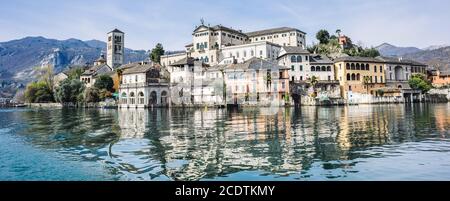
[367,142]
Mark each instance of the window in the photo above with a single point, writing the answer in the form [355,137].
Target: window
[348,66]
[381,79]
[381,69]
[324,68]
[358,67]
[329,77]
[352,66]
[348,76]
[292,68]
[367,66]
[301,67]
[329,68]
[313,68]
[376,79]
[293,59]
[260,53]
[299,59]
[237,54]
[245,53]
[375,69]
[301,77]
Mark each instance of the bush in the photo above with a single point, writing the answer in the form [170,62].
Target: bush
[419,82]
[69,91]
[91,95]
[39,92]
[104,82]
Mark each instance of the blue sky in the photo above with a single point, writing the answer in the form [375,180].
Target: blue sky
[417,23]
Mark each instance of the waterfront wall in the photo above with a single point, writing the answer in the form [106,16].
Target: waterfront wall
[441,92]
[358,98]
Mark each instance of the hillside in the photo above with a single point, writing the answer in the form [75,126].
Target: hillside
[387,49]
[19,57]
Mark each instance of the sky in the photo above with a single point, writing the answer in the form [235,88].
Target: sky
[418,23]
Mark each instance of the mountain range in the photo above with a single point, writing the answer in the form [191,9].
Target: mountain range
[18,58]
[438,55]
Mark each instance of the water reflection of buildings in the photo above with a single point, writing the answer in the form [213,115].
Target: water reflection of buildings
[201,144]
[133,122]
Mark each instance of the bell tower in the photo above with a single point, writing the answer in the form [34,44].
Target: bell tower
[115,48]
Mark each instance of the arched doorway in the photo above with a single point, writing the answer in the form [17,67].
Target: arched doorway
[153,98]
[132,98]
[124,98]
[399,73]
[164,101]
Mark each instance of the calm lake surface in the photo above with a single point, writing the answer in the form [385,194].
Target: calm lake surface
[367,142]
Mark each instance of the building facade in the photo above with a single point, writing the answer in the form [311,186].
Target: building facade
[143,86]
[360,75]
[218,44]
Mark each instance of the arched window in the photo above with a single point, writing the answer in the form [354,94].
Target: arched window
[252,53]
[347,66]
[353,76]
[313,68]
[237,54]
[293,59]
[132,98]
[358,67]
[358,76]
[141,98]
[299,59]
[324,68]
[328,68]
[245,53]
[348,76]
[367,67]
[353,66]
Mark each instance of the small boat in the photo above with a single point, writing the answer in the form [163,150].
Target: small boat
[20,105]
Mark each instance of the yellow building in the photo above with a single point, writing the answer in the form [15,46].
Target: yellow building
[359,75]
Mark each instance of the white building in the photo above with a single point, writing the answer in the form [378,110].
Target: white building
[219,44]
[304,65]
[143,86]
[283,36]
[241,53]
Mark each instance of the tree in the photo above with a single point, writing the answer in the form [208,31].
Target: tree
[323,36]
[370,52]
[366,82]
[156,53]
[104,82]
[419,82]
[92,95]
[338,32]
[75,73]
[38,92]
[46,74]
[69,91]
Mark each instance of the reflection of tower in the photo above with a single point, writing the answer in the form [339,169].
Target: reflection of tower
[115,48]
